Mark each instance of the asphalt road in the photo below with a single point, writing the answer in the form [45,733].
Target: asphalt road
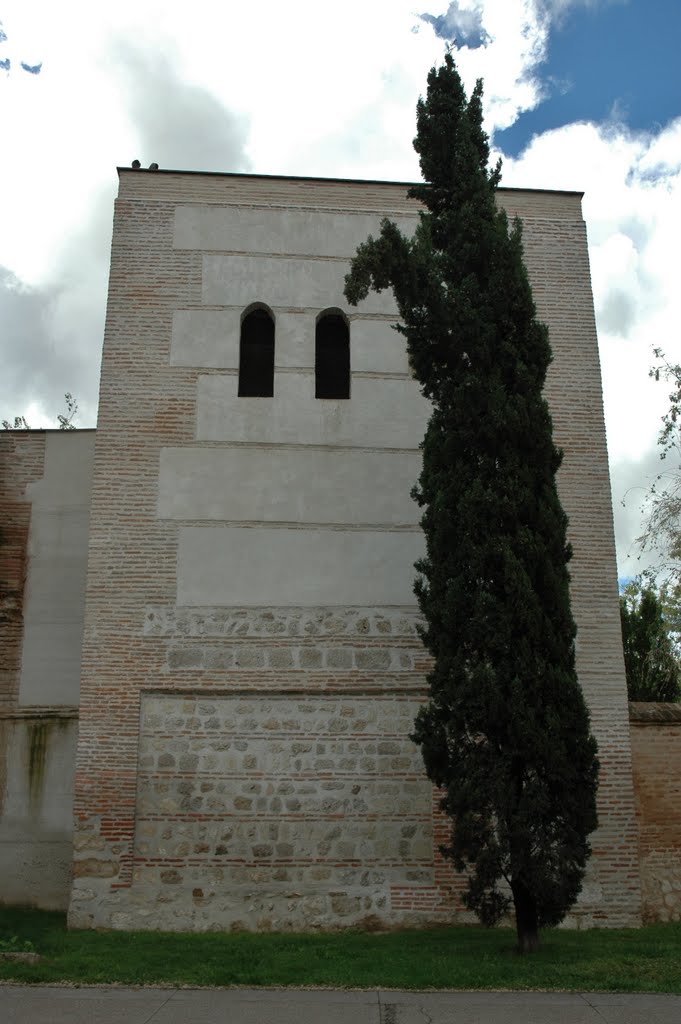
[52,1005]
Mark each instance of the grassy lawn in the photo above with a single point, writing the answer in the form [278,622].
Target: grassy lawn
[646,960]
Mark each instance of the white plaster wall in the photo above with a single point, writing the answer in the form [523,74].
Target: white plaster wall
[375,347]
[284,232]
[230,280]
[244,566]
[54,596]
[210,338]
[206,337]
[295,486]
[388,413]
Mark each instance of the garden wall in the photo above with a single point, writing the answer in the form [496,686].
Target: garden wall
[656,754]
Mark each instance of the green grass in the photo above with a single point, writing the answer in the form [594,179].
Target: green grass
[645,960]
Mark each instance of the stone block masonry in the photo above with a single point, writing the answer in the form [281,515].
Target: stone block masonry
[250,664]
[279,812]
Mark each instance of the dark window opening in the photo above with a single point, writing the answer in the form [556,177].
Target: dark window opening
[332,357]
[256,355]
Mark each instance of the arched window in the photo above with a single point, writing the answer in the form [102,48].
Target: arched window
[332,356]
[256,354]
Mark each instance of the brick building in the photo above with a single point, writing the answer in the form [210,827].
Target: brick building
[241,604]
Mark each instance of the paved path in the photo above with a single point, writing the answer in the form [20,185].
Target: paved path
[53,1005]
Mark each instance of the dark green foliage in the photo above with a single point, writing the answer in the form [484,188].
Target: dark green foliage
[506,732]
[653,670]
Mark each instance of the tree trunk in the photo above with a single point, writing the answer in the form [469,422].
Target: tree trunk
[525,918]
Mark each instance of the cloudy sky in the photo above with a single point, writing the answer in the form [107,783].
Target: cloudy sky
[579,94]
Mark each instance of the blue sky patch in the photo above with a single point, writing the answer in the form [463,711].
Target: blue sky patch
[618,62]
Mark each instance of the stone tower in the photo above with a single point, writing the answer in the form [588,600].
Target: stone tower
[250,666]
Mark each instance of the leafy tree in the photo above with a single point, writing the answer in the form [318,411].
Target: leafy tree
[652,666]
[64,419]
[505,734]
[662,531]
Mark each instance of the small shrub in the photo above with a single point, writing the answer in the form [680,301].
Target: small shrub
[14,944]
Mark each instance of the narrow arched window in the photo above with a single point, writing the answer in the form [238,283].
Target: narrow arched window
[332,357]
[256,354]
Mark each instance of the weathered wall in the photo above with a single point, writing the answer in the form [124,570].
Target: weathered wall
[234,553]
[38,751]
[44,504]
[656,752]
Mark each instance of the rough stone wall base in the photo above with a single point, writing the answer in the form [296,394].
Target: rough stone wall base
[284,812]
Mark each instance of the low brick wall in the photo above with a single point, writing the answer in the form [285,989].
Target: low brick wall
[656,755]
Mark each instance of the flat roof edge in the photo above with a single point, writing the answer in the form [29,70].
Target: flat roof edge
[47,430]
[340,181]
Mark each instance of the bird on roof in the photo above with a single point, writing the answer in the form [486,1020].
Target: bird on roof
[136,165]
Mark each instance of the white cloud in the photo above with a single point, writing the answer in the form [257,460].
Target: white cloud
[632,207]
[178,123]
[37,370]
[94,107]
[557,9]
[299,89]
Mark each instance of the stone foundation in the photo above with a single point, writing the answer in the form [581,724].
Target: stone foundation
[274,812]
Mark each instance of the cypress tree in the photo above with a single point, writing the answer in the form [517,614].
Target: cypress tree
[505,733]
